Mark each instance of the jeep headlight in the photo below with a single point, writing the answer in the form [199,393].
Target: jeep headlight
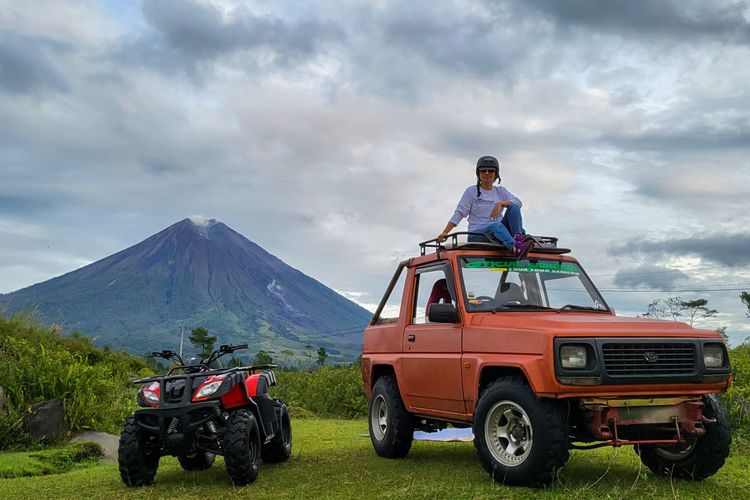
[573,356]
[713,356]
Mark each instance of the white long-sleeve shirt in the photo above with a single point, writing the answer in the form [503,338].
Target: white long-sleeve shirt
[478,209]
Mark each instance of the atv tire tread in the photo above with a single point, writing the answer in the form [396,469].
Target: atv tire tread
[279,449]
[137,468]
[242,447]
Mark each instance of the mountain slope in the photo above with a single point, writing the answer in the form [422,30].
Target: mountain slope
[205,274]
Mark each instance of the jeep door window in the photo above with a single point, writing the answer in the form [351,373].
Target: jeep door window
[389,309]
[432,287]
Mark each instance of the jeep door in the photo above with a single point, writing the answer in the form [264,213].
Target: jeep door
[432,351]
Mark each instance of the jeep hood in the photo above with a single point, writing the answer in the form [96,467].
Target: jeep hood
[583,324]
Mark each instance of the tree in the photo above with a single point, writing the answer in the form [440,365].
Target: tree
[676,307]
[745,296]
[200,338]
[234,362]
[262,358]
[723,332]
[322,355]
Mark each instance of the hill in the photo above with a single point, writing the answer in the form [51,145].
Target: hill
[204,274]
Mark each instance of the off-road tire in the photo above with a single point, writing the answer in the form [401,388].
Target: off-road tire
[538,424]
[391,426]
[703,459]
[199,460]
[279,449]
[242,447]
[138,462]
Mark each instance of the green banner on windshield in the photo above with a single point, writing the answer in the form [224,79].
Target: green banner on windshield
[524,266]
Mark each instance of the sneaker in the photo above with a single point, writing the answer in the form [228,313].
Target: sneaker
[523,246]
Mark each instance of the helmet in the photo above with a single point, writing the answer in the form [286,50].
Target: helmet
[488,162]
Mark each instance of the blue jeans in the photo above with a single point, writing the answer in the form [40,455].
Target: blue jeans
[503,230]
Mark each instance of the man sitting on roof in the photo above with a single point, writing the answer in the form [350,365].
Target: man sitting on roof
[484,205]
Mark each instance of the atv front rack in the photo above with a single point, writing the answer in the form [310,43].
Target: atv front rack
[542,244]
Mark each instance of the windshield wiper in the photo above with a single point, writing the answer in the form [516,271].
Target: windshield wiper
[523,306]
[574,307]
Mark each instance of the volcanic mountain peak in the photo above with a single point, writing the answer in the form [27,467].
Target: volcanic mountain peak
[203,273]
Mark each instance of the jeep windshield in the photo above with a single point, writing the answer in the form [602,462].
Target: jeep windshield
[494,284]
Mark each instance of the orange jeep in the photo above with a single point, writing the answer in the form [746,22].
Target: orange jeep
[529,353]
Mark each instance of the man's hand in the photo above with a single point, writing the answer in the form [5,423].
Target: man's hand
[441,237]
[499,208]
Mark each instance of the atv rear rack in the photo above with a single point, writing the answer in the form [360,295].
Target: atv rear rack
[542,244]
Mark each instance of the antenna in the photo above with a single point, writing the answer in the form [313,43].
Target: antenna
[182,334]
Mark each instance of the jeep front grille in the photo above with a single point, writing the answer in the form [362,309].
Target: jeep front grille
[649,359]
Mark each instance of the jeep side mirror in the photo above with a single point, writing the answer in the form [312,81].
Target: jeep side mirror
[442,313]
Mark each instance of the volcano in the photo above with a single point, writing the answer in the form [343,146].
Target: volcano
[199,273]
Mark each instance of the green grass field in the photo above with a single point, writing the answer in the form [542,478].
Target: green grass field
[334,459]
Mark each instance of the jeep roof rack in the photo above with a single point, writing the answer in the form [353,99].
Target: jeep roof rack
[542,244]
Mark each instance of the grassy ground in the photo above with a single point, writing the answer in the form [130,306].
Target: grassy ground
[334,459]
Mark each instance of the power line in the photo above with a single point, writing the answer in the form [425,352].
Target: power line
[668,271]
[613,290]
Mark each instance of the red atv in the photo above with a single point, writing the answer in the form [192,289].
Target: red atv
[200,410]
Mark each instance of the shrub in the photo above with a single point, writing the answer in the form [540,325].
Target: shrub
[327,392]
[39,364]
[737,399]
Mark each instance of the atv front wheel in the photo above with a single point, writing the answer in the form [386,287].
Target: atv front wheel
[199,460]
[137,458]
[391,426]
[279,449]
[242,447]
[521,439]
[697,458]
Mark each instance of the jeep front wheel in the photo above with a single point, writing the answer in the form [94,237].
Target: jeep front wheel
[391,426]
[697,458]
[521,439]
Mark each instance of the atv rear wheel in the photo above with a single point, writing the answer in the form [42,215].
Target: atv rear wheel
[242,447]
[521,439]
[697,458]
[279,448]
[391,426]
[199,460]
[138,459]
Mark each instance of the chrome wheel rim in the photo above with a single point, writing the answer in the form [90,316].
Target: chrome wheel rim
[677,452]
[379,418]
[508,433]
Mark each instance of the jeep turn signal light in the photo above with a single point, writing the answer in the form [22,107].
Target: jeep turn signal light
[573,356]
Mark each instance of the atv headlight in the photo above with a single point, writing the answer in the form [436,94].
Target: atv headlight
[209,387]
[713,356]
[151,392]
[573,356]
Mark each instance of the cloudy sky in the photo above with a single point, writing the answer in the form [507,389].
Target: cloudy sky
[338,134]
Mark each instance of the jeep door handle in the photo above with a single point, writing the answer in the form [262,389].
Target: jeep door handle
[411,338]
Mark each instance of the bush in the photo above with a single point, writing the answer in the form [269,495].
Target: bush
[39,364]
[737,399]
[326,392]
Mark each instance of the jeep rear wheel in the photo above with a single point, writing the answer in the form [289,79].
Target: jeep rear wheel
[391,426]
[521,439]
[242,447]
[697,458]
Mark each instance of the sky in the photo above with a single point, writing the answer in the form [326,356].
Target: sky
[339,134]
